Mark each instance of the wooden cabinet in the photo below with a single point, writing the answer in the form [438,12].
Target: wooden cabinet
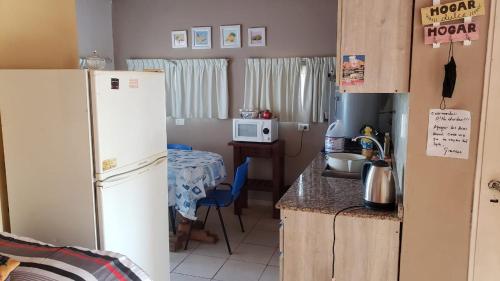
[381,31]
[366,249]
[274,151]
[307,240]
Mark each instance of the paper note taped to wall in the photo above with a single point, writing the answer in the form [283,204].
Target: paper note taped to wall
[449,133]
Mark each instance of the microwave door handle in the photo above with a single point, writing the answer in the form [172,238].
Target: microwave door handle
[260,134]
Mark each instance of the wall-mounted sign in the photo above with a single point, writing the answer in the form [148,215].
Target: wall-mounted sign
[452,11]
[449,133]
[451,32]
[353,70]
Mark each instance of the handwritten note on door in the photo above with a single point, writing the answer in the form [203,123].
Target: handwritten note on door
[449,133]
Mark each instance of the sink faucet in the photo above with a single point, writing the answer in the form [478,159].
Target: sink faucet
[379,146]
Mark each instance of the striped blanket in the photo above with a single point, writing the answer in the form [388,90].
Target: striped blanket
[45,262]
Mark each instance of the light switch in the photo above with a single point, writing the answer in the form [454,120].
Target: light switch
[179,122]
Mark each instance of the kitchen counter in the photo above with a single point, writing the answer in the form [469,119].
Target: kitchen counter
[312,192]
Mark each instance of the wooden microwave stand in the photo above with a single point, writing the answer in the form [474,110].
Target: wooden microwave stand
[274,151]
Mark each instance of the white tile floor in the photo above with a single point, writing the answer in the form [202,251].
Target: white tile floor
[255,252]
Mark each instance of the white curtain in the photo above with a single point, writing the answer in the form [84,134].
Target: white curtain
[196,88]
[157,65]
[202,87]
[316,86]
[295,89]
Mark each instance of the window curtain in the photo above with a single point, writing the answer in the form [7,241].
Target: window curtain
[201,88]
[273,83]
[196,88]
[295,89]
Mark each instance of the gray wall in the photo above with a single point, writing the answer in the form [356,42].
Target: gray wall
[142,29]
[95,31]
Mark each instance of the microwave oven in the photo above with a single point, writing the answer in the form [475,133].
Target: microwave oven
[255,130]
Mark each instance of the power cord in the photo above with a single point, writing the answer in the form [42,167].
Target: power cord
[300,148]
[334,220]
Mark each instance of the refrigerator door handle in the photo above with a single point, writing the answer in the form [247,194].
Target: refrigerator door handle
[140,170]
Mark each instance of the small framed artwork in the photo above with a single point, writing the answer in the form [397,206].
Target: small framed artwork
[257,37]
[230,36]
[201,37]
[179,39]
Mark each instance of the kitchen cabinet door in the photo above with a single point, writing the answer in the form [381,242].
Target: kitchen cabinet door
[381,32]
[307,240]
[366,249]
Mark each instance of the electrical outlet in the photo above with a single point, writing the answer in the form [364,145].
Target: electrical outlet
[179,122]
[303,127]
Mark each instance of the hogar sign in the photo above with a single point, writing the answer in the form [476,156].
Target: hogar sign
[452,11]
[451,32]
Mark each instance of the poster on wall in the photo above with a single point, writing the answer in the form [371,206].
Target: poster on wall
[452,11]
[257,37]
[179,39]
[201,37]
[449,133]
[353,70]
[230,36]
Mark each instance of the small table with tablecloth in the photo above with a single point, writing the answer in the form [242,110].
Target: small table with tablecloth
[190,174]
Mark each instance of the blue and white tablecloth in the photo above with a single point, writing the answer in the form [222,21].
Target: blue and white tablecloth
[190,173]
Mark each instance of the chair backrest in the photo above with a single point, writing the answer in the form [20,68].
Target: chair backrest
[179,146]
[240,178]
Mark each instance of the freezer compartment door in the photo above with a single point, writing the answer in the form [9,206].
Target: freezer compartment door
[129,119]
[133,217]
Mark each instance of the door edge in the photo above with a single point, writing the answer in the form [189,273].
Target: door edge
[491,43]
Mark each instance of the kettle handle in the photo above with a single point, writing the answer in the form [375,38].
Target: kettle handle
[364,173]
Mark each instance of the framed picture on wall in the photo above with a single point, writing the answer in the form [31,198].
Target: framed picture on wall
[201,37]
[230,36]
[179,39]
[257,37]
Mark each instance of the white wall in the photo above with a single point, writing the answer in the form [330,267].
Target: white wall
[95,28]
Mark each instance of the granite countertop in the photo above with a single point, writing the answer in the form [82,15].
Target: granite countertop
[312,192]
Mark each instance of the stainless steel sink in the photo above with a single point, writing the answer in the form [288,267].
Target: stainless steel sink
[330,173]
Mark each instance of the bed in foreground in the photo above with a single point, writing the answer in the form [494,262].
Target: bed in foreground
[45,262]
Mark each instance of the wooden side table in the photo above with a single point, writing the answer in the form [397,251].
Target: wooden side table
[274,151]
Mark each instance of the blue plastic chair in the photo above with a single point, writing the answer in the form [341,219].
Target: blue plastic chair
[179,146]
[224,198]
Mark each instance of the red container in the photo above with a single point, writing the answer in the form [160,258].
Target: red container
[267,114]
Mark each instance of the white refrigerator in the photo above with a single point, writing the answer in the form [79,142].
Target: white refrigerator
[85,158]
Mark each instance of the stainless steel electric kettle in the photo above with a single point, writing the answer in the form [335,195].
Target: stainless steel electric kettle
[378,182]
